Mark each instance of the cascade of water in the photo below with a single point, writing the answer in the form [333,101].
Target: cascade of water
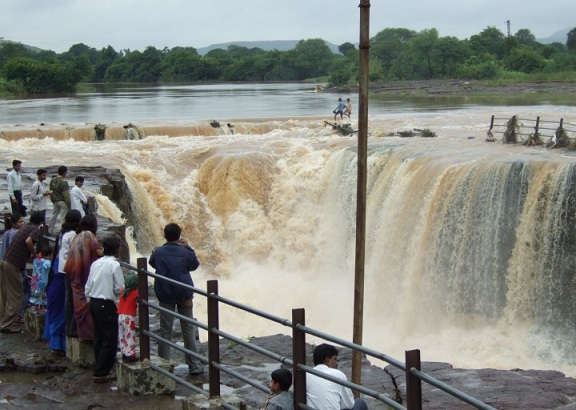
[470,249]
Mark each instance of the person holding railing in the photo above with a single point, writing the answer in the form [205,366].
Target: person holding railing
[175,259]
[323,394]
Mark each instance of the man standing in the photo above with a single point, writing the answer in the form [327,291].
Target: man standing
[39,194]
[339,109]
[77,198]
[323,393]
[60,196]
[174,260]
[15,188]
[21,250]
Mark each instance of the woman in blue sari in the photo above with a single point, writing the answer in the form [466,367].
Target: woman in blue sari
[54,329]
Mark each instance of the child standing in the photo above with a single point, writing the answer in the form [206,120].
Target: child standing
[127,318]
[41,269]
[103,288]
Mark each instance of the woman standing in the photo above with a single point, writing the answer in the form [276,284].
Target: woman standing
[84,250]
[58,290]
[12,224]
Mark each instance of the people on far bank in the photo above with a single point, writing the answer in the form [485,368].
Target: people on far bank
[60,197]
[339,110]
[175,259]
[78,200]
[14,181]
[325,394]
[39,193]
[280,398]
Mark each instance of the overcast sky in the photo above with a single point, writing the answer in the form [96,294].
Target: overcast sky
[135,24]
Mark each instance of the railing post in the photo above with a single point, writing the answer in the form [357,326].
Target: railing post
[413,383]
[143,311]
[491,123]
[537,126]
[299,356]
[213,339]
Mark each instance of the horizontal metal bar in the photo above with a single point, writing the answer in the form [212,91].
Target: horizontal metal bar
[179,380]
[369,392]
[240,376]
[257,312]
[195,355]
[255,348]
[176,315]
[450,390]
[354,346]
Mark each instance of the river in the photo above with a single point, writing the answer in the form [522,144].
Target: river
[470,253]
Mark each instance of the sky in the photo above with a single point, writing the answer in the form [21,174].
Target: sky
[135,24]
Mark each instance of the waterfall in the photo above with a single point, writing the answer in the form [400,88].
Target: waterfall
[469,247]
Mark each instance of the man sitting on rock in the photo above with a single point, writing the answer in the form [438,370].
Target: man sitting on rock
[325,394]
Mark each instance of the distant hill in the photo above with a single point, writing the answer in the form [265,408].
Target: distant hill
[31,48]
[280,45]
[558,37]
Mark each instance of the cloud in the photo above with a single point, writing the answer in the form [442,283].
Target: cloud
[132,24]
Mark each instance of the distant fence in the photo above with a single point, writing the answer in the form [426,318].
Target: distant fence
[412,366]
[532,131]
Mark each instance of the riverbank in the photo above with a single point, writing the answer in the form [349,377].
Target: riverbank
[462,87]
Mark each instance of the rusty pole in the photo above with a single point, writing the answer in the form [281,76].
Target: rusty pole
[361,188]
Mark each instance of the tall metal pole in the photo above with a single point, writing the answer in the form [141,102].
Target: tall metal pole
[361,188]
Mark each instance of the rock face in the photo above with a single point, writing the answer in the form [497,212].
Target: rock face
[109,182]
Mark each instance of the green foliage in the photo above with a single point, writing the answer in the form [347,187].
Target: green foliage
[571,40]
[524,60]
[40,78]
[346,48]
[395,54]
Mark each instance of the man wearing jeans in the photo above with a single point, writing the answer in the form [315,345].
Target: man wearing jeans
[60,197]
[174,260]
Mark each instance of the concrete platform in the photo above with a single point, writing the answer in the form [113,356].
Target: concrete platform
[80,354]
[34,320]
[201,402]
[140,379]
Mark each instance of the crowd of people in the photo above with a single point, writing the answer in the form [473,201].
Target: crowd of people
[81,287]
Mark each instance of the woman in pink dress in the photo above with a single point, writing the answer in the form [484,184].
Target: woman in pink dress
[84,250]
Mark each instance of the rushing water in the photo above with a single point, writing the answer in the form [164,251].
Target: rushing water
[471,246]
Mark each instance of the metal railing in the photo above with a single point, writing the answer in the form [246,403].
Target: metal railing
[412,366]
[535,127]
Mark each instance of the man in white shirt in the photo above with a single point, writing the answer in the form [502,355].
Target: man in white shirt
[103,288]
[77,197]
[15,188]
[39,193]
[323,394]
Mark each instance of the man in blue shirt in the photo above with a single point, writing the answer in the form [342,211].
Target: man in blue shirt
[174,260]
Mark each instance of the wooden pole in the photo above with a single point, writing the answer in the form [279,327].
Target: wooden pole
[363,75]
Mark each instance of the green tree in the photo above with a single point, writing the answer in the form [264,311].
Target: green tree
[39,77]
[571,40]
[105,59]
[345,48]
[9,51]
[312,58]
[421,48]
[525,37]
[524,60]
[490,40]
[447,54]
[389,45]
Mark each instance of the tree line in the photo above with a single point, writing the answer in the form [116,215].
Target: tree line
[395,54]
